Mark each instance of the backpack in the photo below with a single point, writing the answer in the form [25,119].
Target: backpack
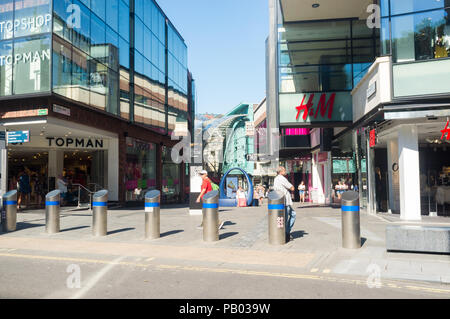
[215,187]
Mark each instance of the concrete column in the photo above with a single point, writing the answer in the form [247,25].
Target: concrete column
[408,148]
[113,169]
[371,185]
[394,190]
[4,169]
[55,163]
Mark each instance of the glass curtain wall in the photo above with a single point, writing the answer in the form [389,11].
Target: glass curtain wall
[177,83]
[90,53]
[324,56]
[417,31]
[25,28]
[420,29]
[150,65]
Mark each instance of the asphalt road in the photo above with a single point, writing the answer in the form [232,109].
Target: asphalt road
[25,274]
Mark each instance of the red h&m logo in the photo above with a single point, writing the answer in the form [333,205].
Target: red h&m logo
[323,106]
[372,138]
[446,130]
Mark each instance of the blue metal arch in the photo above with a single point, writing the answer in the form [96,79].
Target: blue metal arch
[249,182]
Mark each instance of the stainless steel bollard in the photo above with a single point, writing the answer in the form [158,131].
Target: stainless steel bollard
[9,212]
[211,216]
[52,205]
[152,214]
[351,229]
[100,213]
[277,218]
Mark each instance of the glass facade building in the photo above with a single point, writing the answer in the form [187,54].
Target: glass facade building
[80,49]
[111,70]
[388,84]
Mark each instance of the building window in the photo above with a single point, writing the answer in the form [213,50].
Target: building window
[140,174]
[170,178]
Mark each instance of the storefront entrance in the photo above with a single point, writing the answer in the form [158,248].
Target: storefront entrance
[83,171]
[87,158]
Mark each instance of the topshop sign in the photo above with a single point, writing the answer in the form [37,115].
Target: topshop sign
[26,24]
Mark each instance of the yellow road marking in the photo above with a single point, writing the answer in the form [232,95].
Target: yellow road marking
[314,270]
[326,271]
[225,270]
[80,260]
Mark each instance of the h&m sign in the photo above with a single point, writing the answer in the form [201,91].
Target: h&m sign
[75,142]
[311,108]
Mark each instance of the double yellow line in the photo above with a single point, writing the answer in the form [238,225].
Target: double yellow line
[385,283]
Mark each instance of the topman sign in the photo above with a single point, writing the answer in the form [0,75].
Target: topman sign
[75,142]
[26,57]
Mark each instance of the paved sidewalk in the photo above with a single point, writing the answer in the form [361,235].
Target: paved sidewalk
[243,243]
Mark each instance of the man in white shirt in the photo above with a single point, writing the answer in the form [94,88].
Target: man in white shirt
[282,185]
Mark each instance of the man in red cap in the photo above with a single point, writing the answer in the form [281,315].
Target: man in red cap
[206,188]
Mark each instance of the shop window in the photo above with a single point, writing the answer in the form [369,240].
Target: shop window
[140,174]
[31,71]
[421,36]
[170,178]
[6,68]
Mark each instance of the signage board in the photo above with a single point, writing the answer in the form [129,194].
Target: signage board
[249,129]
[310,108]
[322,157]
[232,186]
[371,90]
[18,137]
[61,110]
[372,138]
[24,113]
[75,142]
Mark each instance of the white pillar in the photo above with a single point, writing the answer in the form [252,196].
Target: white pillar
[55,163]
[4,168]
[394,190]
[408,148]
[371,185]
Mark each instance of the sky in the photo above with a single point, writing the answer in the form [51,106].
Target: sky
[226,49]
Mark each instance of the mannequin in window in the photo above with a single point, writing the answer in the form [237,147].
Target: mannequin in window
[440,48]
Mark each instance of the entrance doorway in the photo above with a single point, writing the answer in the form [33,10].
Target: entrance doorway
[29,170]
[84,173]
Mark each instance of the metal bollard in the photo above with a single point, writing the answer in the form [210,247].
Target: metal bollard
[277,216]
[211,216]
[152,214]
[351,229]
[100,213]
[52,205]
[9,213]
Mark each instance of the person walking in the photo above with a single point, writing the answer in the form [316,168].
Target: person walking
[24,189]
[261,195]
[206,188]
[241,197]
[39,190]
[282,185]
[301,191]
